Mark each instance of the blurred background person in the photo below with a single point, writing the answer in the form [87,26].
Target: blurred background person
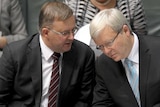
[85,10]
[12,26]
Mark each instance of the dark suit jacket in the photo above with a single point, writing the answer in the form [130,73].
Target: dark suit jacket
[21,75]
[113,89]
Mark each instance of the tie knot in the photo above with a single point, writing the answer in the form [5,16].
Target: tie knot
[56,55]
[128,62]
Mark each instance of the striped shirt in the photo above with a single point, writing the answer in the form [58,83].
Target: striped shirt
[84,12]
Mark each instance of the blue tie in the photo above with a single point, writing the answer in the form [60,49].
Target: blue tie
[133,79]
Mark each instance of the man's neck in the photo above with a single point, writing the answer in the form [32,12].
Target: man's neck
[104,5]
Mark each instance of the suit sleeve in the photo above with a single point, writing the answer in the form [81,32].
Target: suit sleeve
[86,93]
[6,77]
[101,97]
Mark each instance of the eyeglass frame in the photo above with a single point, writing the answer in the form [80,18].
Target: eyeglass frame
[64,33]
[109,44]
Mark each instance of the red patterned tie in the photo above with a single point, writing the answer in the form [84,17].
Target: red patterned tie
[53,88]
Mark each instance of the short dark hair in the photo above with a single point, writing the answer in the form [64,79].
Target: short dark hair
[52,11]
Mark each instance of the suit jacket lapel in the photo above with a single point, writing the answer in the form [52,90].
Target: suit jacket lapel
[34,54]
[144,60]
[67,74]
[67,68]
[126,89]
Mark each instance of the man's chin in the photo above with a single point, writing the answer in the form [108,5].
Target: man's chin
[67,49]
[116,59]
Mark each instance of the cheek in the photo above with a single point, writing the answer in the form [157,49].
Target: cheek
[120,49]
[55,41]
[118,46]
[60,42]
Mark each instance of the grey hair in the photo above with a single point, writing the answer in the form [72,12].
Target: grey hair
[52,11]
[112,18]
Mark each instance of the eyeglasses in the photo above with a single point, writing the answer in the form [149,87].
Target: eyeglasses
[65,33]
[107,44]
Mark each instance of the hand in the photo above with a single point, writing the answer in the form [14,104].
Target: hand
[3,42]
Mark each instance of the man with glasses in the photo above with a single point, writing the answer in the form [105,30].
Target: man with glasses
[108,43]
[128,72]
[49,69]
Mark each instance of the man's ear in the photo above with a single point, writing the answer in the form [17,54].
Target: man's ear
[44,32]
[126,29]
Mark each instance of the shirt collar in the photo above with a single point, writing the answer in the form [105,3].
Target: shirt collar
[46,52]
[134,54]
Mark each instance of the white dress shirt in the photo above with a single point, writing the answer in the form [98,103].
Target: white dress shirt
[134,55]
[47,63]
